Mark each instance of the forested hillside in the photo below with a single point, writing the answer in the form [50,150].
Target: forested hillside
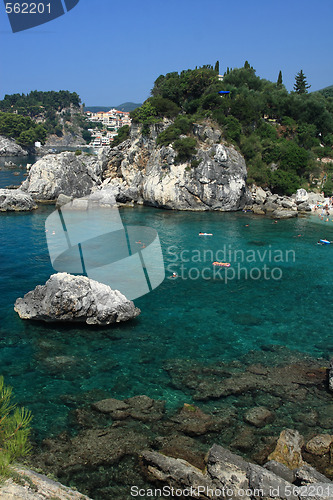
[281,134]
[34,116]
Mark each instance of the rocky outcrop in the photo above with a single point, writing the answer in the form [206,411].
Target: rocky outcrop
[227,475]
[26,484]
[282,207]
[15,200]
[76,299]
[288,450]
[141,171]
[8,147]
[63,173]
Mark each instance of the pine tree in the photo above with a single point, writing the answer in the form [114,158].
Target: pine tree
[217,67]
[301,86]
[279,80]
[14,429]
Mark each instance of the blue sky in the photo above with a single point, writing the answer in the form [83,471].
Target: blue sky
[110,51]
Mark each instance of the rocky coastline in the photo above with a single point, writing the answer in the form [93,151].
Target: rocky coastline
[267,424]
[138,171]
[9,147]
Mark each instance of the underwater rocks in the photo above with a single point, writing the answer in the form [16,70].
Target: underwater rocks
[287,380]
[136,438]
[15,200]
[330,376]
[75,299]
[140,408]
[259,416]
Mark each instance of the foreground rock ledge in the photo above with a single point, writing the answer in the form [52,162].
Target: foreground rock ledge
[28,485]
[227,475]
[75,299]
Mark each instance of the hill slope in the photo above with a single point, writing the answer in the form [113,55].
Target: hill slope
[126,106]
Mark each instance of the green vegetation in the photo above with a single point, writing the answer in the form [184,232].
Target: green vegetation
[122,135]
[281,134]
[327,91]
[301,86]
[22,128]
[14,429]
[38,103]
[53,112]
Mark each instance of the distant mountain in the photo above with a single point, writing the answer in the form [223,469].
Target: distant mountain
[327,91]
[126,106]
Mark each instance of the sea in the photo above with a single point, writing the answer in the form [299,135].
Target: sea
[278,291]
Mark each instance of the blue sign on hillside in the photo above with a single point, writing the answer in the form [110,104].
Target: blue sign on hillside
[24,15]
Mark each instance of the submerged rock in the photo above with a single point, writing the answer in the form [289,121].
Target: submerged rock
[330,376]
[15,200]
[259,416]
[76,299]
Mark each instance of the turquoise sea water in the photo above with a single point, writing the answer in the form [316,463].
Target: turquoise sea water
[53,367]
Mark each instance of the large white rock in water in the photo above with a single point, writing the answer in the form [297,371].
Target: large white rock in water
[65,297]
[63,173]
[15,200]
[301,196]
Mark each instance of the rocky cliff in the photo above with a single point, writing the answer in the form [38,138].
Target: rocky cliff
[8,147]
[64,173]
[141,171]
[138,170]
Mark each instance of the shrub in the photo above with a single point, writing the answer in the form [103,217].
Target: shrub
[123,134]
[14,429]
[78,152]
[185,148]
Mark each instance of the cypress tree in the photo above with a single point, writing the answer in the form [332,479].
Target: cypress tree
[217,67]
[301,86]
[279,80]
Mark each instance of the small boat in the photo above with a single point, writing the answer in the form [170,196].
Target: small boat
[222,264]
[325,242]
[205,234]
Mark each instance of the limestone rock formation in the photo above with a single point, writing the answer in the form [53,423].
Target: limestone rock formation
[8,147]
[15,200]
[141,171]
[76,299]
[29,485]
[63,173]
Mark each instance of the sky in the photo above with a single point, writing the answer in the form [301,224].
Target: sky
[110,52]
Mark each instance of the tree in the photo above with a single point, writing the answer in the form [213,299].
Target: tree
[301,86]
[14,429]
[279,80]
[217,67]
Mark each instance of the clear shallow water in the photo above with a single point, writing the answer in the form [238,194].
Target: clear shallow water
[54,367]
